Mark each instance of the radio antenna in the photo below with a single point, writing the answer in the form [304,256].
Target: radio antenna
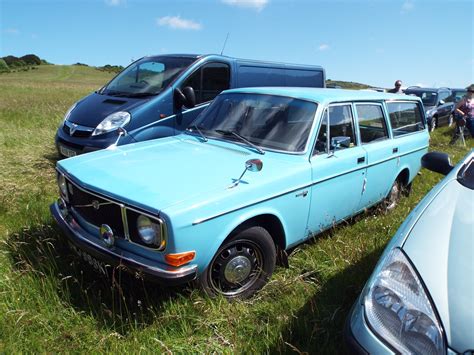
[225,42]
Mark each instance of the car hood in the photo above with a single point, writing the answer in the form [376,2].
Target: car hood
[92,109]
[441,247]
[179,173]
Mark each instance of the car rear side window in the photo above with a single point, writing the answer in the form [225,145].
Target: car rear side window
[209,81]
[405,117]
[371,123]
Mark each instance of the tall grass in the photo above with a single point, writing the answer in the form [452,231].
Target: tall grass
[50,301]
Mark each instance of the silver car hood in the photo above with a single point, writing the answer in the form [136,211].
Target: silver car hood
[441,247]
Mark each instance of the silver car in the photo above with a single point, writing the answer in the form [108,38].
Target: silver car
[420,298]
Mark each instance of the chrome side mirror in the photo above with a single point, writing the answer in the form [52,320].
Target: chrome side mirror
[253,165]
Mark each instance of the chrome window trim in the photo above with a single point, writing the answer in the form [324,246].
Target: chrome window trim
[164,228]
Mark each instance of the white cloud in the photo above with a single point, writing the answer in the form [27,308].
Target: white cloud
[323,47]
[12,31]
[254,4]
[178,23]
[114,2]
[407,6]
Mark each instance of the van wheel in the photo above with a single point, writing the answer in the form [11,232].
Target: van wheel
[241,266]
[391,201]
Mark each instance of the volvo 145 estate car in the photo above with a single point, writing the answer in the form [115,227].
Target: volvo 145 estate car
[261,170]
[420,297]
[159,96]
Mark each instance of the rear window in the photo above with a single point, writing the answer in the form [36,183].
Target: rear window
[405,117]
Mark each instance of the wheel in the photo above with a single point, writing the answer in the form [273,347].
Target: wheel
[241,266]
[391,201]
[450,120]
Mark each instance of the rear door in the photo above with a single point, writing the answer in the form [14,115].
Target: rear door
[382,152]
[337,172]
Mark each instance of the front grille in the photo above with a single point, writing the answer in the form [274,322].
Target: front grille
[77,133]
[96,210]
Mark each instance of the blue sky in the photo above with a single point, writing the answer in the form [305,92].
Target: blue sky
[373,41]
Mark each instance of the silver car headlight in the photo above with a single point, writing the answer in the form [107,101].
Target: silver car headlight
[68,112]
[63,187]
[112,122]
[399,310]
[150,232]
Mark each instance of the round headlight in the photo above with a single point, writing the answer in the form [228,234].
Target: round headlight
[63,187]
[149,232]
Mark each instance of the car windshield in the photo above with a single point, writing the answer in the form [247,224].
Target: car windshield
[148,76]
[428,97]
[264,121]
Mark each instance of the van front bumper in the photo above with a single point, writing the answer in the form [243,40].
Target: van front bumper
[89,246]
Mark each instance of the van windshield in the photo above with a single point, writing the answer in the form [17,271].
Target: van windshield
[148,76]
[264,121]
[428,97]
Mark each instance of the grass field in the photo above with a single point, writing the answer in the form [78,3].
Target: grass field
[51,302]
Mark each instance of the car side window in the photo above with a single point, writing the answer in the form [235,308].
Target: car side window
[371,123]
[340,133]
[209,81]
[405,117]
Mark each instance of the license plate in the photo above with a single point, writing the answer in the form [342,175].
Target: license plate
[96,264]
[67,152]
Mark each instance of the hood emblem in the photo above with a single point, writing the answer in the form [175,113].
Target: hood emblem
[72,128]
[95,204]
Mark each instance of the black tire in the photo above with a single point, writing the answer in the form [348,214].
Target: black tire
[391,201]
[241,266]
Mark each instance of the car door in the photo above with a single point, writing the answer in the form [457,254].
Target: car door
[208,81]
[338,170]
[382,152]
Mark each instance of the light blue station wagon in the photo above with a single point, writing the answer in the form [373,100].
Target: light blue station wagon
[258,172]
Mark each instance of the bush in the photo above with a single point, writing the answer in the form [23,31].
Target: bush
[10,59]
[4,66]
[31,59]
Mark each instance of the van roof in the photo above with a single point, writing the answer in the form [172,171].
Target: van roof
[325,95]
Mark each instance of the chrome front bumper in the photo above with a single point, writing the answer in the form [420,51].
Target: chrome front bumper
[82,240]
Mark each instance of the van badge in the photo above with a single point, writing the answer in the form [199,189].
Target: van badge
[72,129]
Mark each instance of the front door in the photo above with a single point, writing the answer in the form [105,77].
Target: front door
[338,169]
[207,81]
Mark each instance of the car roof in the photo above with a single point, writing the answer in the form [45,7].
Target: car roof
[181,55]
[323,95]
[419,89]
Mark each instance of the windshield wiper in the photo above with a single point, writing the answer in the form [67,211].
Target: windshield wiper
[196,128]
[243,139]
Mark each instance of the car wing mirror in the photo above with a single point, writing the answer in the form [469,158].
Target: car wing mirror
[441,102]
[437,162]
[338,142]
[184,97]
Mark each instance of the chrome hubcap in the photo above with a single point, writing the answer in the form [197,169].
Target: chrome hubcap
[238,269]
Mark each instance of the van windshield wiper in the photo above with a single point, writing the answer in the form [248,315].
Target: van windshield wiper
[193,128]
[243,139]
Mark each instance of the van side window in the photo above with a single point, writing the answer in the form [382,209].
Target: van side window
[371,123]
[209,81]
[341,130]
[405,117]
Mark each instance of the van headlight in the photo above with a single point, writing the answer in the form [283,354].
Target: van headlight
[150,232]
[112,122]
[399,310]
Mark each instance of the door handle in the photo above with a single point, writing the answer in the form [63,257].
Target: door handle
[395,150]
[360,160]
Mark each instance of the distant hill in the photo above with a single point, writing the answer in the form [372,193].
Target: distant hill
[346,84]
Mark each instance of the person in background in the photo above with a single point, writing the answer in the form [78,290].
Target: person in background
[465,109]
[397,89]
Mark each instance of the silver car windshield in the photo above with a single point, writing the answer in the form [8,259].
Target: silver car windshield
[265,121]
[148,76]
